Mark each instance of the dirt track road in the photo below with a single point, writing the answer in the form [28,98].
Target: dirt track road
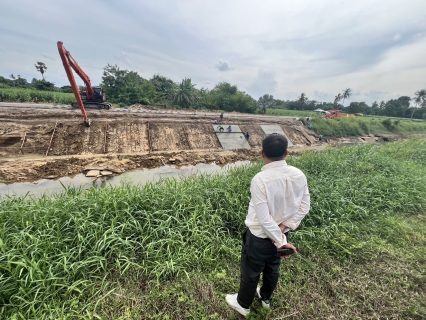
[42,141]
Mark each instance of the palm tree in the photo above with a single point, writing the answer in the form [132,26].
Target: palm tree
[337,98]
[266,101]
[186,95]
[302,100]
[13,79]
[346,94]
[420,99]
[41,67]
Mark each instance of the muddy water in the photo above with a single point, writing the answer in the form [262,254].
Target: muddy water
[137,177]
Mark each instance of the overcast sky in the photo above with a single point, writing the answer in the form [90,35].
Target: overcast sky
[279,47]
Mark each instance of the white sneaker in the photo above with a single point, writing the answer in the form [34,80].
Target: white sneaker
[231,299]
[265,303]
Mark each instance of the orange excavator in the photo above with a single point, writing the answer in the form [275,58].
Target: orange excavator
[92,97]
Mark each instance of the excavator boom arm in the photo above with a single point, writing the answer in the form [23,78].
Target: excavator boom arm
[69,62]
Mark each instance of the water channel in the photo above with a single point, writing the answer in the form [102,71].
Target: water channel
[136,177]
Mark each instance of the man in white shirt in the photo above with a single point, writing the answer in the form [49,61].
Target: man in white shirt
[279,201]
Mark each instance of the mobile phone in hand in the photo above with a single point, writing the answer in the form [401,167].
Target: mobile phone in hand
[285,252]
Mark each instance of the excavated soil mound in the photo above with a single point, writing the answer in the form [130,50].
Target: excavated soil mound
[49,143]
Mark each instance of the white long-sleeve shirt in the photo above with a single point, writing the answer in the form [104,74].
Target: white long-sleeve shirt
[279,194]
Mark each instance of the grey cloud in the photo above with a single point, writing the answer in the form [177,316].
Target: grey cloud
[222,65]
[123,57]
[322,96]
[47,57]
[346,53]
[206,84]
[264,83]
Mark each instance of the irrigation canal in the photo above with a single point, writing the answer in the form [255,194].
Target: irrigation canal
[136,177]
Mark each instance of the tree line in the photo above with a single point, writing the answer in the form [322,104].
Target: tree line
[126,87]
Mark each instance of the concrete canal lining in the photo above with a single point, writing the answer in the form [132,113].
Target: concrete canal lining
[272,128]
[231,140]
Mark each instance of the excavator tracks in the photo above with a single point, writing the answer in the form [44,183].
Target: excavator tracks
[94,105]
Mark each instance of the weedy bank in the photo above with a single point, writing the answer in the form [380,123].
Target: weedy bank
[359,126]
[171,250]
[29,95]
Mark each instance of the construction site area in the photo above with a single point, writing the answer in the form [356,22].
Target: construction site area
[52,142]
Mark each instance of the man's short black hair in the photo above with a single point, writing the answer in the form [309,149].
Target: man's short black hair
[275,146]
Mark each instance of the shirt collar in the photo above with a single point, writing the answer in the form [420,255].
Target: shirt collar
[274,164]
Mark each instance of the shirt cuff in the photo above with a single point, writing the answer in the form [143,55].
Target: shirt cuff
[282,243]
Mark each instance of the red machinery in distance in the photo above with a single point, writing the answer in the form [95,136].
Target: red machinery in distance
[93,97]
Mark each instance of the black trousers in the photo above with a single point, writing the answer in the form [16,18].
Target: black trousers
[257,256]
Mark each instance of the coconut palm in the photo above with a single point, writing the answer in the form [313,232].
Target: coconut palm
[337,98]
[186,95]
[346,94]
[302,100]
[13,78]
[41,67]
[420,99]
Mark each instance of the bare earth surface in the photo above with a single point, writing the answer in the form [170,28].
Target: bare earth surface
[46,142]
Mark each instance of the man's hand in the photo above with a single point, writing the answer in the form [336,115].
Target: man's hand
[282,227]
[287,246]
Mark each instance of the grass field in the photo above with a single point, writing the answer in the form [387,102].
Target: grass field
[356,126]
[345,127]
[171,250]
[28,95]
[291,113]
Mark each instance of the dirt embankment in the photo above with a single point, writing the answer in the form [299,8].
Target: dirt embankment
[51,143]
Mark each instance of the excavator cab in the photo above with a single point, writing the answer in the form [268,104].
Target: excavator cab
[99,94]
[97,101]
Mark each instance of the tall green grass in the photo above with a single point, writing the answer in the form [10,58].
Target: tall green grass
[29,95]
[164,250]
[358,126]
[292,113]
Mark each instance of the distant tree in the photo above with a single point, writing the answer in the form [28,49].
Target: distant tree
[13,78]
[302,101]
[374,109]
[42,85]
[356,107]
[162,84]
[280,104]
[126,87]
[419,100]
[41,67]
[186,95]
[66,89]
[206,99]
[405,100]
[346,94]
[337,98]
[21,82]
[4,82]
[394,108]
[164,89]
[227,97]
[265,102]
